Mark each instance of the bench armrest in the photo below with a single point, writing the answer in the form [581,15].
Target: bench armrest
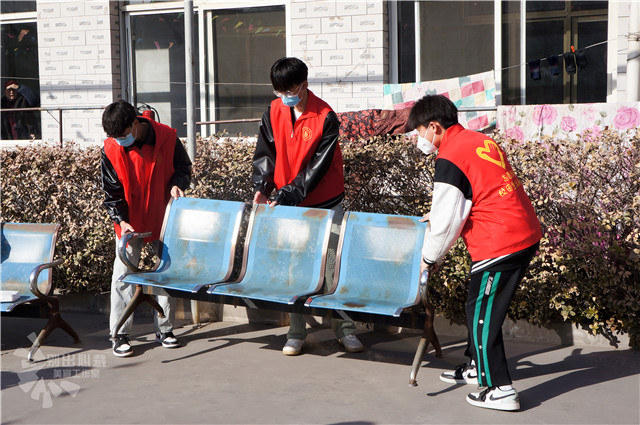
[33,278]
[122,249]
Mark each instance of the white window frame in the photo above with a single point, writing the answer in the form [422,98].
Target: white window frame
[497,40]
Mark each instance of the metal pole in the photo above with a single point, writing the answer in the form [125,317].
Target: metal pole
[497,48]
[60,124]
[189,68]
[523,52]
[416,20]
[393,44]
[633,57]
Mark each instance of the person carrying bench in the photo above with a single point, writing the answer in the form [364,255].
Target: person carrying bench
[144,165]
[476,195]
[298,154]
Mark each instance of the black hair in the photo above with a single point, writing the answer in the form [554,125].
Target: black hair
[432,108]
[287,73]
[118,116]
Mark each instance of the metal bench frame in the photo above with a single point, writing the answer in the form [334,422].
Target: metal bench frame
[420,315]
[38,297]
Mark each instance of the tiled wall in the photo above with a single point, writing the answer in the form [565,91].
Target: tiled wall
[79,55]
[344,44]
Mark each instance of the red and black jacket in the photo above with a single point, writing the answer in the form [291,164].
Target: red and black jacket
[137,180]
[301,157]
[477,196]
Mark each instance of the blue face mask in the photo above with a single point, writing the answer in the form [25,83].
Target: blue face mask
[126,141]
[290,101]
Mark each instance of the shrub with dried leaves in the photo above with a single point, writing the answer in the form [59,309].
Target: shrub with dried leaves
[586,193]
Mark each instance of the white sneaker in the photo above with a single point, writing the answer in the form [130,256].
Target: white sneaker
[293,347]
[122,346]
[463,374]
[351,343]
[495,398]
[167,339]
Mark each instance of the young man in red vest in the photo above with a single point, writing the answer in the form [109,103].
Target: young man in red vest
[476,195]
[144,165]
[299,156]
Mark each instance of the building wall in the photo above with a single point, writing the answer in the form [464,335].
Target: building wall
[79,56]
[344,43]
[345,46]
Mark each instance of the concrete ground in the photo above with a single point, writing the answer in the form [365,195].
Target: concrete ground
[235,373]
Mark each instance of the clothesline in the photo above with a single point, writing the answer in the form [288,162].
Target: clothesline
[269,85]
[584,48]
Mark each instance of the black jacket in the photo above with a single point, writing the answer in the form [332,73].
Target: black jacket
[26,122]
[264,160]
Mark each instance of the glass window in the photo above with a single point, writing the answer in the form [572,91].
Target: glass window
[456,38]
[159,66]
[511,53]
[246,43]
[406,42]
[551,32]
[591,81]
[545,5]
[17,6]
[588,5]
[20,80]
[545,38]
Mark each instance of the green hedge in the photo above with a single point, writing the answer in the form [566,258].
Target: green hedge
[585,192]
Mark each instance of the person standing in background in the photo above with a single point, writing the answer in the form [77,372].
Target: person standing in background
[299,156]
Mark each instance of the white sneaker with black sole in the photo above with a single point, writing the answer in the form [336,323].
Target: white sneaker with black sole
[463,374]
[167,339]
[122,346]
[496,398]
[293,347]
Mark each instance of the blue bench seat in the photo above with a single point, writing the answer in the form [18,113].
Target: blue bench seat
[377,265]
[27,254]
[284,256]
[197,247]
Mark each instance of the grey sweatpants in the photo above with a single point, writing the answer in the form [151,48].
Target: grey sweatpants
[122,293]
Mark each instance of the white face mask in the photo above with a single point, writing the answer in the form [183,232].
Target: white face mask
[427,147]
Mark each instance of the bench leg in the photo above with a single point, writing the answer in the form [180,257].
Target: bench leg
[428,337]
[138,298]
[55,321]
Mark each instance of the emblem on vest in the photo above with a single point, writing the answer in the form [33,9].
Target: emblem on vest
[306,134]
[492,153]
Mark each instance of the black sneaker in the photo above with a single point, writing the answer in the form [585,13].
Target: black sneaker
[495,398]
[463,374]
[167,339]
[122,346]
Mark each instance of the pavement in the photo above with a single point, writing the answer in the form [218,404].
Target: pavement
[235,373]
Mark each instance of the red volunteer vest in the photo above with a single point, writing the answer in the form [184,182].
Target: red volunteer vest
[145,174]
[502,220]
[296,144]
